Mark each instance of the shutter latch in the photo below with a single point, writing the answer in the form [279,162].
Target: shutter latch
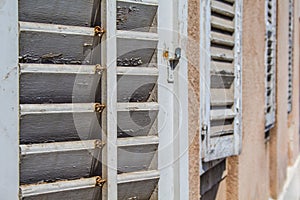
[173,62]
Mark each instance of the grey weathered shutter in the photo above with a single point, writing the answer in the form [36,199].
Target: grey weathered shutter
[270,64]
[60,106]
[69,140]
[290,64]
[221,62]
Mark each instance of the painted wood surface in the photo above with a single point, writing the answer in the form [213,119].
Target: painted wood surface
[131,16]
[70,12]
[59,161]
[137,190]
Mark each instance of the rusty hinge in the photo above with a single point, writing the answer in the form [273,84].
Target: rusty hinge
[100,181]
[99,69]
[99,31]
[99,107]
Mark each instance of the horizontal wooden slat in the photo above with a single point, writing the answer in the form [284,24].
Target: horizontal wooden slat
[135,84]
[222,24]
[131,15]
[137,176]
[222,97]
[136,48]
[127,107]
[135,35]
[219,67]
[220,147]
[60,69]
[143,2]
[218,53]
[218,130]
[46,162]
[53,28]
[32,109]
[71,12]
[58,147]
[222,39]
[220,114]
[222,8]
[221,80]
[36,190]
[137,141]
[137,71]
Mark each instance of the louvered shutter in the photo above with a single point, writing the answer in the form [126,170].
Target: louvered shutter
[290,64]
[60,105]
[221,62]
[89,98]
[270,64]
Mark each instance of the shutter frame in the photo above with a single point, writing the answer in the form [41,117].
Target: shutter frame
[290,64]
[220,146]
[270,64]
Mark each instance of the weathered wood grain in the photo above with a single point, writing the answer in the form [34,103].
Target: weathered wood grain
[137,190]
[52,165]
[59,127]
[136,158]
[59,88]
[135,123]
[52,48]
[135,16]
[69,12]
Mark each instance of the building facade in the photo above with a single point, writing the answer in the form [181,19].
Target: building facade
[149,99]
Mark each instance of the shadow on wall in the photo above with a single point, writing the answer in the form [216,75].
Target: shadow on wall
[211,180]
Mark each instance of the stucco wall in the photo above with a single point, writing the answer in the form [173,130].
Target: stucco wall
[248,173]
[194,99]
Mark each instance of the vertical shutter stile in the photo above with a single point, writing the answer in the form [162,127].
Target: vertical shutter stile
[221,85]
[290,64]
[270,64]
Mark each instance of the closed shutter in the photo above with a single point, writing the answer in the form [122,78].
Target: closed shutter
[270,64]
[221,62]
[290,64]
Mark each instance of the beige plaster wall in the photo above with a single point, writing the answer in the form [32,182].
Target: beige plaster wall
[248,173]
[293,118]
[279,135]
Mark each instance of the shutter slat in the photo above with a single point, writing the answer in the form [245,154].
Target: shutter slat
[137,176]
[222,54]
[37,109]
[60,69]
[223,9]
[222,24]
[81,188]
[54,161]
[144,2]
[222,114]
[222,39]
[137,141]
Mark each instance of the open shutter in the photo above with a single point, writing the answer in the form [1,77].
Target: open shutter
[60,105]
[89,98]
[290,64]
[221,62]
[270,64]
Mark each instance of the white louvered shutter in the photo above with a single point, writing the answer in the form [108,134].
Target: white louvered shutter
[290,64]
[270,63]
[221,62]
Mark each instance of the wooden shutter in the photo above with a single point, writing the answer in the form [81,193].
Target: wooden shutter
[60,104]
[290,64]
[270,64]
[221,62]
[88,99]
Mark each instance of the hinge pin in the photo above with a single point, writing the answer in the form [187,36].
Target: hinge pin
[100,181]
[99,31]
[99,107]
